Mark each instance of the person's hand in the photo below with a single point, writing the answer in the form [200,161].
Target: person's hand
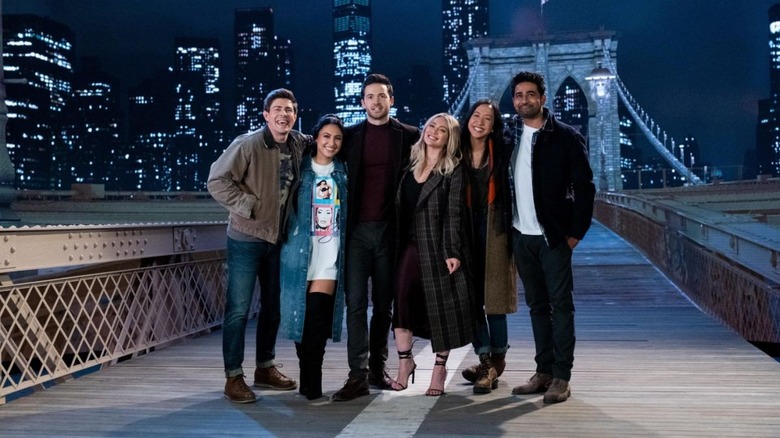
[452,264]
[572,242]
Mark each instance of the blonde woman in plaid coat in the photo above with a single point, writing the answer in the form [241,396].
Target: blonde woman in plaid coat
[433,294]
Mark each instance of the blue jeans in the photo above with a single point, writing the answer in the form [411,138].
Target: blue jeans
[247,263]
[492,336]
[549,292]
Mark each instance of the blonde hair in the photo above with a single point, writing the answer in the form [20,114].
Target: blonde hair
[452,153]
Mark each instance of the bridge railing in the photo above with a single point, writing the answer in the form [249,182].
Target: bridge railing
[79,298]
[728,268]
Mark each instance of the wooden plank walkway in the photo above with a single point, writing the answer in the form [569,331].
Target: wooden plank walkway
[648,363]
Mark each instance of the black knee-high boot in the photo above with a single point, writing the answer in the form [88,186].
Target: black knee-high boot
[317,329]
[303,361]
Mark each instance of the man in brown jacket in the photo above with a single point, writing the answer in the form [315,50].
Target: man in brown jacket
[253,179]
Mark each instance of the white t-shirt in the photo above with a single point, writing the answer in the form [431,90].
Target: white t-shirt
[324,225]
[525,220]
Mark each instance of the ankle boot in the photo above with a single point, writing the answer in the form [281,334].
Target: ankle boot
[499,361]
[488,379]
[317,329]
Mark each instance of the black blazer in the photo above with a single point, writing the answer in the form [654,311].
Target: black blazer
[403,137]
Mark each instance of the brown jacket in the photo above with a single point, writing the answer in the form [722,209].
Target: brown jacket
[245,180]
[500,274]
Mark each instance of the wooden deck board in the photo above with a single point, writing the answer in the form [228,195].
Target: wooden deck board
[648,363]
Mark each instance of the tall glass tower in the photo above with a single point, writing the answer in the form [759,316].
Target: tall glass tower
[38,58]
[197,137]
[263,63]
[462,20]
[768,126]
[352,56]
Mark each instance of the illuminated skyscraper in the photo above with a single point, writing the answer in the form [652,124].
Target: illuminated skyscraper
[198,130]
[462,20]
[39,51]
[352,56]
[263,63]
[768,127]
[93,152]
[150,118]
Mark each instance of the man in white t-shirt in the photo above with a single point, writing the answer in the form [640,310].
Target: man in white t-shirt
[552,190]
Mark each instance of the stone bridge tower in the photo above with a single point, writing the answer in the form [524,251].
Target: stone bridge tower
[565,60]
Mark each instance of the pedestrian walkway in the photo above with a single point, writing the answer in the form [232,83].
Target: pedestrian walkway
[647,363]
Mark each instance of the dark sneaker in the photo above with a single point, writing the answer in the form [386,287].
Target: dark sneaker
[559,391]
[353,388]
[380,378]
[237,391]
[471,373]
[271,378]
[539,382]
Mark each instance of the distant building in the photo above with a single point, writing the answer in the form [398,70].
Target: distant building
[768,126]
[93,151]
[414,102]
[150,134]
[199,129]
[263,63]
[39,51]
[630,153]
[352,56]
[462,20]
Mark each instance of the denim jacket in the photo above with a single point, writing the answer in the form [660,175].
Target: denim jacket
[296,250]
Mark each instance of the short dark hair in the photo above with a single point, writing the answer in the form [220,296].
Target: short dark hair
[527,76]
[279,93]
[377,78]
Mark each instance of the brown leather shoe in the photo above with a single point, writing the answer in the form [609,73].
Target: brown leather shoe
[499,361]
[539,382]
[559,391]
[488,379]
[380,378]
[237,391]
[471,373]
[271,378]
[353,388]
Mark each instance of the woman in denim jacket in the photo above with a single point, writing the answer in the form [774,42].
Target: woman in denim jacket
[312,278]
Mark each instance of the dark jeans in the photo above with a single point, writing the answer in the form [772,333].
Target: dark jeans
[247,263]
[369,254]
[547,280]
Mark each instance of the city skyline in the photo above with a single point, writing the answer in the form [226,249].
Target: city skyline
[685,78]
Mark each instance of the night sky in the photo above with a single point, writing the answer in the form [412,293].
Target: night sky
[697,66]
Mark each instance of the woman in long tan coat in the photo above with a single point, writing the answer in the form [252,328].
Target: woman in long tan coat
[485,158]
[433,293]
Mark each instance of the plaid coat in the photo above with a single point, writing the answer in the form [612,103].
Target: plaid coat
[440,230]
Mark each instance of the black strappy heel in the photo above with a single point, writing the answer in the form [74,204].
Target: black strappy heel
[405,355]
[441,361]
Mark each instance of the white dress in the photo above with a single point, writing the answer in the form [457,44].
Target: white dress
[324,225]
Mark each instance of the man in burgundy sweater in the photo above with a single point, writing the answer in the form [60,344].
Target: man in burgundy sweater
[376,151]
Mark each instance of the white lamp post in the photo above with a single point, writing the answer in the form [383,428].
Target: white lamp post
[600,83]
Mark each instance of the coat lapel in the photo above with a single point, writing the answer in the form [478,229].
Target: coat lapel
[433,181]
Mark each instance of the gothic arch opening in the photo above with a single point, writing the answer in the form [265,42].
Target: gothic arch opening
[570,105]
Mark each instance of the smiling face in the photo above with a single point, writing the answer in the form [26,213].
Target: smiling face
[281,117]
[328,143]
[528,102]
[480,123]
[436,134]
[377,102]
